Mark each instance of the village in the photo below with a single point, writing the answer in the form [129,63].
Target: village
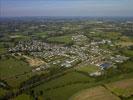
[64,56]
[53,59]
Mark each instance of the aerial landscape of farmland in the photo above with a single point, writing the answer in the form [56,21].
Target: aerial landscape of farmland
[71,53]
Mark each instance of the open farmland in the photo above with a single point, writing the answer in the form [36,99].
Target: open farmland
[67,58]
[68,84]
[61,39]
[19,37]
[67,79]
[96,93]
[12,70]
[2,92]
[124,44]
[64,92]
[122,88]
[41,34]
[11,67]
[2,48]
[23,97]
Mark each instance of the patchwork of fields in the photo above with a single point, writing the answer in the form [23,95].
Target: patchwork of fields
[61,39]
[122,88]
[96,93]
[112,91]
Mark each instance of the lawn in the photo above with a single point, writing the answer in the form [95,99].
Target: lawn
[61,39]
[88,68]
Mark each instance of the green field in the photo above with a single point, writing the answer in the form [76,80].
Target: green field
[2,49]
[11,70]
[122,88]
[73,80]
[61,39]
[41,34]
[95,93]
[128,53]
[112,35]
[2,92]
[23,97]
[20,37]
[11,67]
[60,88]
[63,93]
[68,78]
[65,86]
[88,68]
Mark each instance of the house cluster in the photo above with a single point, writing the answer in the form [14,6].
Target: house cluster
[68,56]
[31,46]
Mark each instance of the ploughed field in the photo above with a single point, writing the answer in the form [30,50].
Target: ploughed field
[122,88]
[96,93]
[111,91]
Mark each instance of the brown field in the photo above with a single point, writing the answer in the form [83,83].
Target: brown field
[122,88]
[123,44]
[96,93]
[34,61]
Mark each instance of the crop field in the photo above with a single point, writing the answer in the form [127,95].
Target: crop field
[128,65]
[64,92]
[71,83]
[12,69]
[113,35]
[23,97]
[19,37]
[68,84]
[69,78]
[96,93]
[122,88]
[2,49]
[128,53]
[123,44]
[2,92]
[61,39]
[16,81]
[41,34]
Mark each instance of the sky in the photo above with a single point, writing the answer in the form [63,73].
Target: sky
[66,7]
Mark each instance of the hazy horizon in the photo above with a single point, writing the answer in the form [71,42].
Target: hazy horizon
[53,8]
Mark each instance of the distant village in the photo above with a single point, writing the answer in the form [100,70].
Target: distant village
[64,56]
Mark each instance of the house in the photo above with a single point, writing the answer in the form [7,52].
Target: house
[98,73]
[105,65]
